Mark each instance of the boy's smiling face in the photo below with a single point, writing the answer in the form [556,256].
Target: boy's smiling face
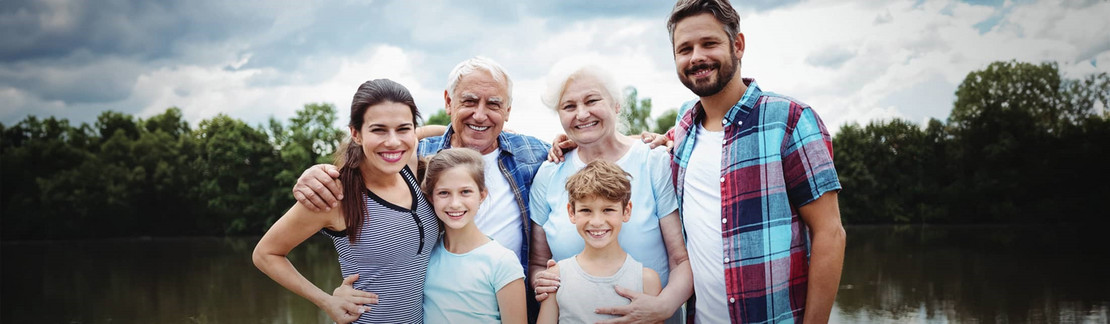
[599,220]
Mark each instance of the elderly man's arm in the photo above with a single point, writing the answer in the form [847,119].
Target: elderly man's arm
[826,257]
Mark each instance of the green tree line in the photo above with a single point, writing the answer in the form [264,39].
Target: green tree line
[1022,145]
[156,177]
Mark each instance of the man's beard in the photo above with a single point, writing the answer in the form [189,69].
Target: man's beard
[724,72]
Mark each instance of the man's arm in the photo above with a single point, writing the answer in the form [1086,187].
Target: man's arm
[826,257]
[319,188]
[426,131]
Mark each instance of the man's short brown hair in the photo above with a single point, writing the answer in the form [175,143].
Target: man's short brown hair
[720,9]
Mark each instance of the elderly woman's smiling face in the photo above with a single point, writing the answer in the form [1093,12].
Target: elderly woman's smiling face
[586,110]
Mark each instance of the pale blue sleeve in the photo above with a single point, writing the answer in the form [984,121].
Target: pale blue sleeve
[659,162]
[538,209]
[506,269]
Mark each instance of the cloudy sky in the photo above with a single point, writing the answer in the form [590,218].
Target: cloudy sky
[853,60]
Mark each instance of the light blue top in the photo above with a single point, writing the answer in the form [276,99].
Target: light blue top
[462,288]
[652,198]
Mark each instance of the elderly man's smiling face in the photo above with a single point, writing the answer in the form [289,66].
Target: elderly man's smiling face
[478,109]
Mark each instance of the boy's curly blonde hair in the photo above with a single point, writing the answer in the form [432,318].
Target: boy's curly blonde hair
[601,179]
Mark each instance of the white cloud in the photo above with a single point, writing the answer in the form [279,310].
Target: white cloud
[853,61]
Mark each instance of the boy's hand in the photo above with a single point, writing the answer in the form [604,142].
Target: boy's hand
[546,281]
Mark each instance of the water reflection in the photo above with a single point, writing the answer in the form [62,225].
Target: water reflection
[973,274]
[891,274]
[156,281]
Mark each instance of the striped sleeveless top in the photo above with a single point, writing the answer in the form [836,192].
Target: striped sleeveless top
[391,255]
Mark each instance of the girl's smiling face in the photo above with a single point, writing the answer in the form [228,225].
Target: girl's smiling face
[456,197]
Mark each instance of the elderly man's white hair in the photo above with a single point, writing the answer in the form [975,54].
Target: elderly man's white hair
[479,63]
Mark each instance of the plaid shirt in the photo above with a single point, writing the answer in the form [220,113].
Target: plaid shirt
[777,156]
[521,156]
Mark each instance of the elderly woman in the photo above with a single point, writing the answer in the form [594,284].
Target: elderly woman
[585,98]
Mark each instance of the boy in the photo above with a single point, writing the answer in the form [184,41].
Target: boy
[599,202]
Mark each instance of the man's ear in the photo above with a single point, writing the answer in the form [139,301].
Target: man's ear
[738,45]
[447,102]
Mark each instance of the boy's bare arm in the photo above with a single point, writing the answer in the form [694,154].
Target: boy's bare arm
[549,310]
[652,284]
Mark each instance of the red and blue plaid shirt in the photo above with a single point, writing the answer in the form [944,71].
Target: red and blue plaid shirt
[777,156]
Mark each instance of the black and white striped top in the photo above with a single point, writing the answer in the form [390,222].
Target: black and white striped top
[391,255]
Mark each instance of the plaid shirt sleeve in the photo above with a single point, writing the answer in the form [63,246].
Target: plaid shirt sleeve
[807,157]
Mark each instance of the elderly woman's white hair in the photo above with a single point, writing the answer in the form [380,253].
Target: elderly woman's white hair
[479,63]
[568,69]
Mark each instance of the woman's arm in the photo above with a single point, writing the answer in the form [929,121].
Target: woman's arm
[544,273]
[680,285]
[297,225]
[510,299]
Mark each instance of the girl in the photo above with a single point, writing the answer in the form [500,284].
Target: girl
[384,232]
[471,278]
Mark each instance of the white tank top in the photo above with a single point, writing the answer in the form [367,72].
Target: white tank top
[581,293]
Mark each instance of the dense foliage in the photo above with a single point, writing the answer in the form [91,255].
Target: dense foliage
[155,177]
[1022,144]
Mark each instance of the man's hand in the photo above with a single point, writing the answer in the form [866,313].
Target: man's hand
[546,281]
[654,140]
[561,145]
[319,188]
[644,308]
[348,303]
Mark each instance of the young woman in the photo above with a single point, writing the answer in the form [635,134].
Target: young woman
[471,278]
[384,231]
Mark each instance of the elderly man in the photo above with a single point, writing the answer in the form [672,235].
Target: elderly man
[763,229]
[478,99]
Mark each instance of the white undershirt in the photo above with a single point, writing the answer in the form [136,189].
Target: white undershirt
[499,215]
[701,211]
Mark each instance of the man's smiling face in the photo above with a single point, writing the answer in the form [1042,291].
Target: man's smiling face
[478,109]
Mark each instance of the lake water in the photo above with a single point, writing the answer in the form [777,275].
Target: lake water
[987,274]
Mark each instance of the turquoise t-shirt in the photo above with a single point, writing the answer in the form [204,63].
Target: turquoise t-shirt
[462,288]
[653,197]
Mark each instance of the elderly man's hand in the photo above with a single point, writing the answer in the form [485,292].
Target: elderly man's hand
[318,187]
[561,145]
